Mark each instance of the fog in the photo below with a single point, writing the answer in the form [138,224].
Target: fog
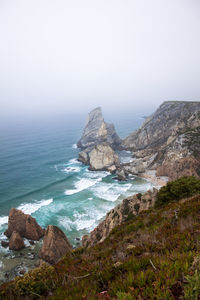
[64,56]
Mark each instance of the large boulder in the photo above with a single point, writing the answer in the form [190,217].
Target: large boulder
[55,245]
[97,131]
[24,224]
[16,242]
[102,157]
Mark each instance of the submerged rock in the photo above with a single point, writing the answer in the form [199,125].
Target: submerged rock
[97,131]
[24,224]
[16,242]
[55,245]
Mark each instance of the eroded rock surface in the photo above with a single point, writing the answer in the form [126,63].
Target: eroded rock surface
[24,224]
[55,245]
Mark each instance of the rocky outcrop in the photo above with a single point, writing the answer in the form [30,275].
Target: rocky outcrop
[55,245]
[84,157]
[168,141]
[97,131]
[16,242]
[24,224]
[102,157]
[130,206]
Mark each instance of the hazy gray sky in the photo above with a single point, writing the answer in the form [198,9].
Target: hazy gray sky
[64,55]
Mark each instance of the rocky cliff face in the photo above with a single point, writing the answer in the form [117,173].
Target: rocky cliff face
[97,131]
[168,141]
[130,206]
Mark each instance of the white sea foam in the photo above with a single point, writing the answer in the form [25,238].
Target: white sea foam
[30,208]
[73,161]
[96,174]
[74,146]
[81,185]
[3,220]
[111,191]
[87,220]
[67,223]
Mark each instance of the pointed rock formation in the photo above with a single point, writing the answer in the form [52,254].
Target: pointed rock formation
[16,242]
[55,245]
[97,131]
[24,224]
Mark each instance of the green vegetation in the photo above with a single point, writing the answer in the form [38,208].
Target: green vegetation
[152,256]
[175,190]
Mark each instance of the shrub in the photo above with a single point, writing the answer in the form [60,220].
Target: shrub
[175,190]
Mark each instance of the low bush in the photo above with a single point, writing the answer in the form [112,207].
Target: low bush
[183,187]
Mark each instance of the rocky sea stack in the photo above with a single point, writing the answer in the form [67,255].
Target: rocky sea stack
[99,143]
[97,131]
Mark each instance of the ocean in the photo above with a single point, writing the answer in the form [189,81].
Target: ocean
[40,174]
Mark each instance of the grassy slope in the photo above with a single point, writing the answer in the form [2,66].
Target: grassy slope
[148,257]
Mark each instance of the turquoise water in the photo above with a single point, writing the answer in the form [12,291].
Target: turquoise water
[40,175]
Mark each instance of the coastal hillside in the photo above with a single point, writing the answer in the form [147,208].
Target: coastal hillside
[152,255]
[168,141]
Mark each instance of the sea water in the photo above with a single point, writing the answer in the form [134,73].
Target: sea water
[40,174]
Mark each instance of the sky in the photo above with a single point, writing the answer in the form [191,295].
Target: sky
[66,56]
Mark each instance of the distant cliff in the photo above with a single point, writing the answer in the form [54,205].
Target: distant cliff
[168,141]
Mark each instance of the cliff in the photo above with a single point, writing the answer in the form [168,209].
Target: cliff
[168,141]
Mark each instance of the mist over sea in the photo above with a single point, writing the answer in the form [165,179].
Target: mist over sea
[40,174]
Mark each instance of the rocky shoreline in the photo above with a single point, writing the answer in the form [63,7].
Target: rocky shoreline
[165,147]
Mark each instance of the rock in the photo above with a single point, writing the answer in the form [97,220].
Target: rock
[97,131]
[121,176]
[102,157]
[4,244]
[32,243]
[55,245]
[130,247]
[16,242]
[83,157]
[112,169]
[24,224]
